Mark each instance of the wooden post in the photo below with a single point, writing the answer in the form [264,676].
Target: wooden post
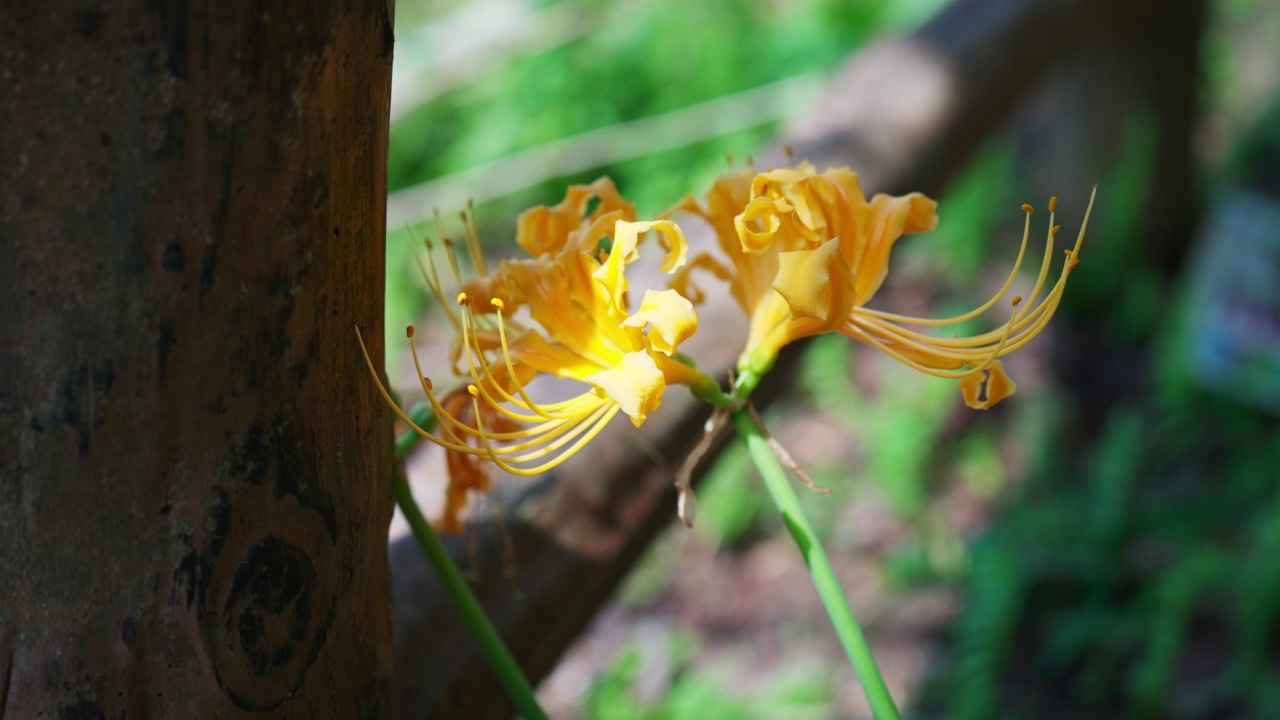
[194,473]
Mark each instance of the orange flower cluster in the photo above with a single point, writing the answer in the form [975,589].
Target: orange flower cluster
[802,253]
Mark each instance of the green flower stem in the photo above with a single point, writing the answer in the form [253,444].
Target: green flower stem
[824,577]
[422,416]
[495,651]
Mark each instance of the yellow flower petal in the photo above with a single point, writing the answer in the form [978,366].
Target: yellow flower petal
[672,316]
[626,236]
[757,224]
[816,283]
[533,351]
[635,384]
[883,222]
[672,238]
[545,230]
[999,386]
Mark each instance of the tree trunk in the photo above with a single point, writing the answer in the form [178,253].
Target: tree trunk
[194,474]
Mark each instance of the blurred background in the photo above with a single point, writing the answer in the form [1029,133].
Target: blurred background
[1104,544]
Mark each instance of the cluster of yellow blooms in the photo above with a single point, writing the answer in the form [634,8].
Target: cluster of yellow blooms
[802,253]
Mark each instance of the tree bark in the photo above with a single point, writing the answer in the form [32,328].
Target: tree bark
[194,472]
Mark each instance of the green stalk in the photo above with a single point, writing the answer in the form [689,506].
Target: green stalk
[495,651]
[824,577]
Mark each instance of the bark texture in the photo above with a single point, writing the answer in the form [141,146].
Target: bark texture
[194,474]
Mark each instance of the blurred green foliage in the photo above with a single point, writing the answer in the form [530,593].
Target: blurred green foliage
[692,694]
[1132,580]
[640,63]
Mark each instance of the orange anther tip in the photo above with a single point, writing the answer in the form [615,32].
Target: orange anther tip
[426,381]
[464,299]
[1053,204]
[408,332]
[1028,209]
[475,391]
[1017,300]
[497,302]
[1055,229]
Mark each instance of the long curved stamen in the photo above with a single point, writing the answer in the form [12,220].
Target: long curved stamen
[473,238]
[432,279]
[541,434]
[1025,329]
[568,409]
[1075,251]
[550,443]
[1025,324]
[449,254]
[456,445]
[506,357]
[1028,322]
[514,470]
[383,390]
[532,445]
[1048,258]
[1017,265]
[987,357]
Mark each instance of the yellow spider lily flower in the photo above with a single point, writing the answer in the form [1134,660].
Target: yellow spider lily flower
[562,313]
[807,251]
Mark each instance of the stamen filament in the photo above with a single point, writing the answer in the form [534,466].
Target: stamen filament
[558,440]
[995,353]
[1044,265]
[473,239]
[433,283]
[468,331]
[938,322]
[583,440]
[506,356]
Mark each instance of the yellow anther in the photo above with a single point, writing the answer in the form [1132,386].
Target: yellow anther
[426,383]
[1028,209]
[1053,204]
[1055,230]
[1017,300]
[464,299]
[1072,260]
[475,391]
[497,302]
